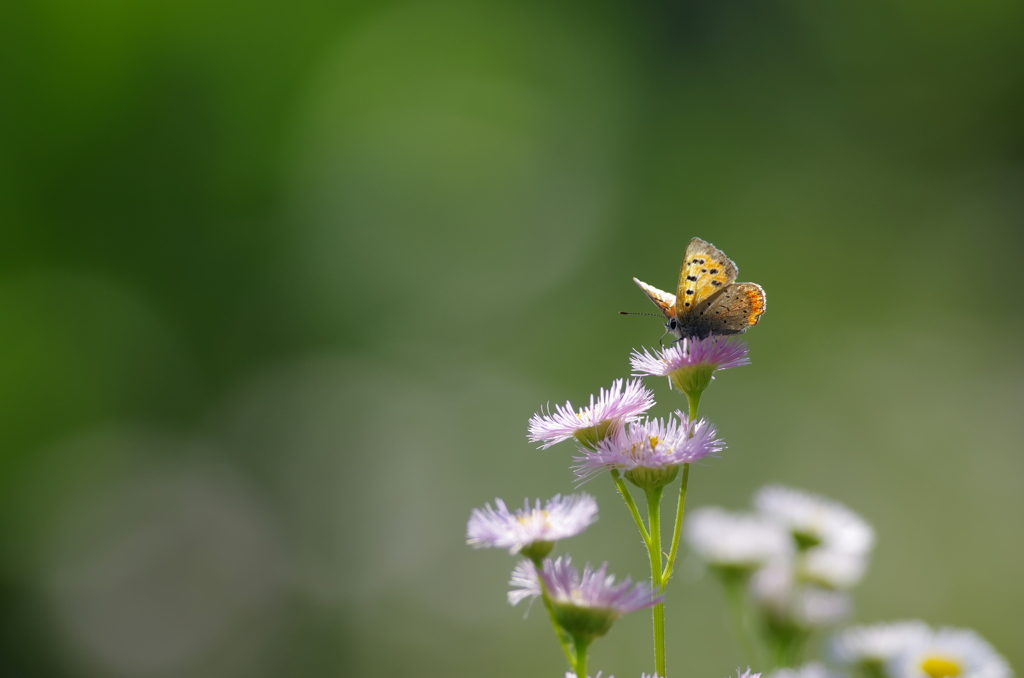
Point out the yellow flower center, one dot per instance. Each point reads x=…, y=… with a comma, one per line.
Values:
x=534, y=517
x=941, y=667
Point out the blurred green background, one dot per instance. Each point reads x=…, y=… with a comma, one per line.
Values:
x=281, y=284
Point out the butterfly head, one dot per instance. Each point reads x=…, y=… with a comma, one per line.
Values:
x=673, y=327
x=686, y=331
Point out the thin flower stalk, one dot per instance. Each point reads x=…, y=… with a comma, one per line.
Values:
x=657, y=583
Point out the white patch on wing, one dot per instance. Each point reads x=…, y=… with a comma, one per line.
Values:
x=660, y=297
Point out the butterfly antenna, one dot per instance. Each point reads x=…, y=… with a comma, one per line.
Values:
x=653, y=315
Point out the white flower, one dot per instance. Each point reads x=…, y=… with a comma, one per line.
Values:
x=779, y=594
x=742, y=540
x=950, y=653
x=832, y=569
x=816, y=608
x=815, y=520
x=878, y=643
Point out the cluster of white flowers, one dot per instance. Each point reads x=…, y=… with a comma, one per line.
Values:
x=801, y=553
x=809, y=587
x=798, y=555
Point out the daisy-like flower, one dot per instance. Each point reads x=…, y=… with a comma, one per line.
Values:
x=747, y=674
x=831, y=568
x=815, y=520
x=950, y=653
x=873, y=646
x=738, y=542
x=690, y=364
x=584, y=605
x=650, y=452
x=788, y=602
x=531, y=530
x=607, y=413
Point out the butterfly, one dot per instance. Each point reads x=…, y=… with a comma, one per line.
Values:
x=708, y=300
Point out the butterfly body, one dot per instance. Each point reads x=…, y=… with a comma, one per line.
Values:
x=708, y=300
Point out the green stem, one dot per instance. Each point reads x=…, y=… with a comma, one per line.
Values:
x=795, y=648
x=580, y=665
x=620, y=484
x=778, y=658
x=657, y=583
x=678, y=528
x=563, y=637
x=734, y=588
x=872, y=669
x=694, y=400
x=787, y=642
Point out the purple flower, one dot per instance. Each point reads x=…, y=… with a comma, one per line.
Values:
x=651, y=445
x=719, y=353
x=594, y=590
x=690, y=364
x=623, y=402
x=561, y=517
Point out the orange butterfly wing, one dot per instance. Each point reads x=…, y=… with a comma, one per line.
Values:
x=705, y=271
x=735, y=308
